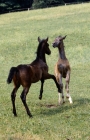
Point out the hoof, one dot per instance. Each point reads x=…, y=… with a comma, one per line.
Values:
x=60, y=103
x=15, y=115
x=70, y=99
x=71, y=102
x=40, y=97
x=67, y=97
x=63, y=102
x=30, y=116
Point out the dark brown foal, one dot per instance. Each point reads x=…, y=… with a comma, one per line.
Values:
x=25, y=75
x=62, y=68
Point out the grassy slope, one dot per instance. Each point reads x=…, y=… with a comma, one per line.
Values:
x=18, y=43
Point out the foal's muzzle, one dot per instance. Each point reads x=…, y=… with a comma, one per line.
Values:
x=49, y=52
x=53, y=44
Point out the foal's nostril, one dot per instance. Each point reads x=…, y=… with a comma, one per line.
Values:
x=53, y=44
x=49, y=52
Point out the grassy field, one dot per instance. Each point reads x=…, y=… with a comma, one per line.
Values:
x=18, y=43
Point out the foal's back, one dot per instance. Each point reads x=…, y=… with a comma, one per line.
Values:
x=35, y=71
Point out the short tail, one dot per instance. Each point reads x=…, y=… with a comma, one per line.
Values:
x=12, y=71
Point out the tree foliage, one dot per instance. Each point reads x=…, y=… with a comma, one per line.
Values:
x=51, y=3
x=46, y=3
x=9, y=5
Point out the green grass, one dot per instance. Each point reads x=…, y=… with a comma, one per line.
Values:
x=18, y=44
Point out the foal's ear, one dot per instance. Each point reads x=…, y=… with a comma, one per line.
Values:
x=64, y=37
x=47, y=39
x=39, y=40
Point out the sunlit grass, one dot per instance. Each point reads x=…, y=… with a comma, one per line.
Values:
x=18, y=43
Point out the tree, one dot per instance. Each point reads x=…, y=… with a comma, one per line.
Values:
x=8, y=5
x=25, y=3
x=46, y=3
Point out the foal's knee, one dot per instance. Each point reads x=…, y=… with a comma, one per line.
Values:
x=67, y=87
x=22, y=97
x=13, y=97
x=40, y=97
x=60, y=90
x=61, y=85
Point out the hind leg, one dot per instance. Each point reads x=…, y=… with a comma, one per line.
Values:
x=13, y=96
x=59, y=80
x=60, y=94
x=23, y=98
x=67, y=87
x=41, y=90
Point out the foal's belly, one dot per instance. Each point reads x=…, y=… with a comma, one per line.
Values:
x=62, y=70
x=36, y=75
x=29, y=74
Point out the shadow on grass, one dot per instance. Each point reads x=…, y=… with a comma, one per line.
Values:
x=54, y=109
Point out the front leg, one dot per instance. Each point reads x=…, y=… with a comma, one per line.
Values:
x=50, y=76
x=57, y=85
x=41, y=90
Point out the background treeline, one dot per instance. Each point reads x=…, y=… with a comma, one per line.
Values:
x=10, y=5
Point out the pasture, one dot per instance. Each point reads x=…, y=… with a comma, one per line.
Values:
x=18, y=43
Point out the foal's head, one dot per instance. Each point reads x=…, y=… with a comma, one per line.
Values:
x=43, y=46
x=58, y=41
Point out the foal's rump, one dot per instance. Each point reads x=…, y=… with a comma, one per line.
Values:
x=26, y=74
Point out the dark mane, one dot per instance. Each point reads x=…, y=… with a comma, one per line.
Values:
x=39, y=49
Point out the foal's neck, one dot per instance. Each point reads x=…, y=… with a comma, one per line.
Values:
x=62, y=51
x=41, y=55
